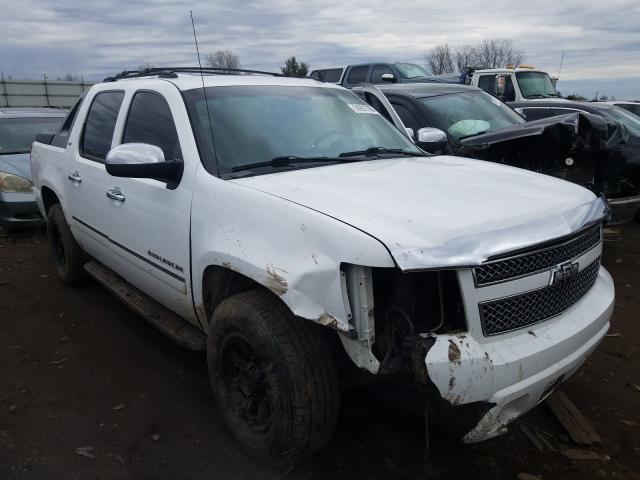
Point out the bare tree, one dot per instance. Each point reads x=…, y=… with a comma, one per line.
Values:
x=440, y=59
x=465, y=56
x=498, y=52
x=491, y=53
x=144, y=66
x=225, y=60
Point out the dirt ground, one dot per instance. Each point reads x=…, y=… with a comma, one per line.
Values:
x=78, y=369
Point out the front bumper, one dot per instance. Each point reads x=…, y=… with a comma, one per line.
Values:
x=19, y=210
x=511, y=373
x=624, y=210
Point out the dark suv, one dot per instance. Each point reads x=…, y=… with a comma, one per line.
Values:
x=378, y=72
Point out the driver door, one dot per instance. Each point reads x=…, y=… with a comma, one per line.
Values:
x=149, y=223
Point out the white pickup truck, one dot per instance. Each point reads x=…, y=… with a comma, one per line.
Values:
x=515, y=84
x=291, y=231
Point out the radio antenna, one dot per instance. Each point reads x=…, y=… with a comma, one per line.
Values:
x=560, y=69
x=204, y=90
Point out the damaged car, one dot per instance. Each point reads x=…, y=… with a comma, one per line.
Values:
x=287, y=229
x=580, y=147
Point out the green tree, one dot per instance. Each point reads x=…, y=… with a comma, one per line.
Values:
x=294, y=69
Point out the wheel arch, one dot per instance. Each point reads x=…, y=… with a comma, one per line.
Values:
x=49, y=198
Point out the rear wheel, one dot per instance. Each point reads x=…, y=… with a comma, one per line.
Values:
x=67, y=256
x=273, y=378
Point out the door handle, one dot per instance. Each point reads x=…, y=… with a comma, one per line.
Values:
x=75, y=177
x=115, y=194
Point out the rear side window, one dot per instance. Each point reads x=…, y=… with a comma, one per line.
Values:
x=100, y=124
x=331, y=75
x=150, y=121
x=358, y=74
x=61, y=138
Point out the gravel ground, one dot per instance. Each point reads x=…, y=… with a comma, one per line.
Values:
x=88, y=390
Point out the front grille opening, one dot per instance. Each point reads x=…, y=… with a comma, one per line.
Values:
x=538, y=260
x=518, y=311
x=412, y=303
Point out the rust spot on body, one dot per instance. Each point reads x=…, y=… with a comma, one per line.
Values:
x=454, y=352
x=276, y=282
x=327, y=320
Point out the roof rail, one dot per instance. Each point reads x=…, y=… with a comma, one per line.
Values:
x=172, y=72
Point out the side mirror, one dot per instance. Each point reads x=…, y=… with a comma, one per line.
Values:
x=410, y=133
x=141, y=160
x=431, y=135
x=433, y=140
x=388, y=77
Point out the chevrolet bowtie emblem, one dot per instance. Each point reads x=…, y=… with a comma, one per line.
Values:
x=563, y=272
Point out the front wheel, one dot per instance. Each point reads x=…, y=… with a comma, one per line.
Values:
x=67, y=256
x=273, y=378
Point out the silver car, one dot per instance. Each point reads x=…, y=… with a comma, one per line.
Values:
x=18, y=129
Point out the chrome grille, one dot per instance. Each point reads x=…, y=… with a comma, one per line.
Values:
x=518, y=311
x=538, y=260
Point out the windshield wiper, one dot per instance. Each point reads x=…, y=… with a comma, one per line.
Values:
x=285, y=161
x=372, y=151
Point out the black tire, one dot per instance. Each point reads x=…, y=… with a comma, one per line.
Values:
x=273, y=378
x=67, y=256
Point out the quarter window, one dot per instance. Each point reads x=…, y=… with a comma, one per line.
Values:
x=150, y=121
x=100, y=124
x=61, y=138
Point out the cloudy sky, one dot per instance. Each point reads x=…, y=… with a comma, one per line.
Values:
x=601, y=40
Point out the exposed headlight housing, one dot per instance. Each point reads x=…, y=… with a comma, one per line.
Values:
x=10, y=183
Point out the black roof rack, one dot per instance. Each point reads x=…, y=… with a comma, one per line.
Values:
x=172, y=72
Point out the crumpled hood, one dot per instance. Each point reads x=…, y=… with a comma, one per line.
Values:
x=418, y=205
x=16, y=164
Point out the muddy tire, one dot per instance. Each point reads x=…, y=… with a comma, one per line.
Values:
x=67, y=256
x=273, y=378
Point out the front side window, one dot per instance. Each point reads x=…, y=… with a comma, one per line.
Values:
x=408, y=118
x=536, y=85
x=463, y=115
x=17, y=134
x=150, y=121
x=378, y=71
x=253, y=124
x=100, y=124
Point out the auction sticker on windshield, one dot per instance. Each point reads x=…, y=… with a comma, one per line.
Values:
x=360, y=108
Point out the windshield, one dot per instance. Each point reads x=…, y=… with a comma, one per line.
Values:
x=17, y=134
x=536, y=85
x=463, y=115
x=411, y=70
x=629, y=120
x=254, y=124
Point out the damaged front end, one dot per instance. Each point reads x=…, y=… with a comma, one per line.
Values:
x=582, y=148
x=485, y=336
